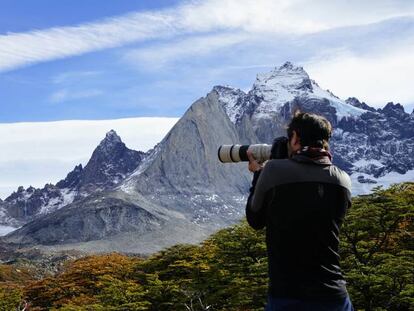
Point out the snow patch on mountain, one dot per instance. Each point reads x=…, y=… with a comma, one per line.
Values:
x=231, y=100
x=3, y=215
x=365, y=163
x=66, y=197
x=363, y=183
x=342, y=108
x=146, y=162
x=209, y=206
x=128, y=185
x=6, y=220
x=6, y=229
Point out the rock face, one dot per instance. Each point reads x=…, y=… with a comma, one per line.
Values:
x=180, y=192
x=183, y=174
x=92, y=219
x=110, y=163
x=377, y=143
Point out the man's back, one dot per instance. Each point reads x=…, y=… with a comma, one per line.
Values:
x=302, y=205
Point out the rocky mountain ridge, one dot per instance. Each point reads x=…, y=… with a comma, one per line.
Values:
x=109, y=164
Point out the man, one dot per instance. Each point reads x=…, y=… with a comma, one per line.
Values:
x=302, y=201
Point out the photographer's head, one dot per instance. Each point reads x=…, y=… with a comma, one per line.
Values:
x=308, y=129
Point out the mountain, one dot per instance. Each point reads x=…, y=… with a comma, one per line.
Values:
x=180, y=192
x=111, y=161
x=375, y=146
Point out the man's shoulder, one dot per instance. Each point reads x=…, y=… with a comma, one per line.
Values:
x=279, y=168
x=290, y=171
x=341, y=176
x=280, y=164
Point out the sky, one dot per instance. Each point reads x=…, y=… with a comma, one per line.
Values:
x=114, y=59
x=94, y=59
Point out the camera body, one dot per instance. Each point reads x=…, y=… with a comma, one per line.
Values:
x=261, y=152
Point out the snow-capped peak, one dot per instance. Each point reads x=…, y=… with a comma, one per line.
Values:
x=272, y=90
x=279, y=86
x=288, y=76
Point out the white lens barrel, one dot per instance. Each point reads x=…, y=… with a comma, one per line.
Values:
x=261, y=152
x=229, y=153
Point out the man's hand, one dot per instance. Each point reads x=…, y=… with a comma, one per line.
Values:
x=254, y=166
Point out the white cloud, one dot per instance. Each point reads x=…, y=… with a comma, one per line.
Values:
x=37, y=153
x=372, y=62
x=281, y=16
x=74, y=76
x=19, y=49
x=375, y=79
x=288, y=16
x=340, y=13
x=161, y=55
x=65, y=95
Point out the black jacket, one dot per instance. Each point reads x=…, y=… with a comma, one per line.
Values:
x=302, y=206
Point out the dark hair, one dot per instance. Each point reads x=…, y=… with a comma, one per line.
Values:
x=313, y=130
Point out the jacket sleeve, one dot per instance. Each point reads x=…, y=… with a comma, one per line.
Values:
x=255, y=218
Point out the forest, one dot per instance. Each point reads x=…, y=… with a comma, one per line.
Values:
x=228, y=271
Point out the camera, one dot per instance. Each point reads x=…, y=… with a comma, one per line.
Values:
x=261, y=152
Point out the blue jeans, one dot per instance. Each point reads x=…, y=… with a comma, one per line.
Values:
x=284, y=304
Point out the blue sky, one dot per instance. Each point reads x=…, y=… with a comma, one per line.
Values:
x=95, y=59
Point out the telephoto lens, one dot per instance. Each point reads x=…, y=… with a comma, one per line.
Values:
x=261, y=152
x=238, y=153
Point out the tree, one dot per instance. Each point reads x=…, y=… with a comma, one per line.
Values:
x=11, y=297
x=12, y=280
x=81, y=283
x=377, y=249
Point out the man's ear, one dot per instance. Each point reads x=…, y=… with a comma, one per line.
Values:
x=295, y=138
